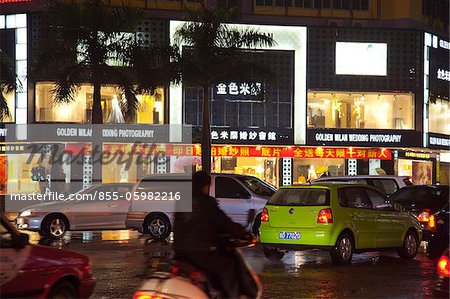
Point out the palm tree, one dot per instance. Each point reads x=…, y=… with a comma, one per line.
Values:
x=94, y=44
x=8, y=83
x=213, y=53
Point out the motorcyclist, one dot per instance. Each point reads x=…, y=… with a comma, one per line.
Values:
x=196, y=235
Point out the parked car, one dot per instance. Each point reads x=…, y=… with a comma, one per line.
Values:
x=441, y=287
x=422, y=200
x=35, y=271
x=102, y=206
x=236, y=195
x=388, y=184
x=341, y=218
x=437, y=234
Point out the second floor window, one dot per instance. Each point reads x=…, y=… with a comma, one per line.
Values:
x=150, y=111
x=317, y=4
x=361, y=110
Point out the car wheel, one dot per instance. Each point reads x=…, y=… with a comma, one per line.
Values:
x=157, y=226
x=54, y=227
x=63, y=290
x=256, y=225
x=410, y=245
x=342, y=252
x=273, y=254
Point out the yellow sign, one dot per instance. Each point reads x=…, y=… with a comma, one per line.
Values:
x=417, y=155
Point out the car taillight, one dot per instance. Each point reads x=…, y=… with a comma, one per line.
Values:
x=86, y=270
x=265, y=215
x=442, y=266
x=424, y=216
x=148, y=295
x=325, y=216
x=432, y=223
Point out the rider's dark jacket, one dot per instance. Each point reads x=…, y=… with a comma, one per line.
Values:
x=198, y=231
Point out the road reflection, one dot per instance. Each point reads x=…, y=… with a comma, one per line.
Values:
x=117, y=236
x=128, y=257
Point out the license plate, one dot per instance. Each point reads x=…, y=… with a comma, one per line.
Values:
x=289, y=236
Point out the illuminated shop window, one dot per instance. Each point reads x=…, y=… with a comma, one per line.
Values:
x=150, y=111
x=360, y=110
x=335, y=4
x=440, y=117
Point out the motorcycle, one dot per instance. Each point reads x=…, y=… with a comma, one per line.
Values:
x=183, y=280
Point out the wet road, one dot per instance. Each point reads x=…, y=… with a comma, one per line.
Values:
x=121, y=259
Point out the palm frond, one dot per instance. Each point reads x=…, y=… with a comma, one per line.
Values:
x=8, y=83
x=155, y=66
x=8, y=79
x=247, y=38
x=67, y=84
x=4, y=109
x=214, y=50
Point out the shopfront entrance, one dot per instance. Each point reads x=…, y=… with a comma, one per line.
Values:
x=419, y=166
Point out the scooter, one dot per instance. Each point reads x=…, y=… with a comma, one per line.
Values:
x=183, y=280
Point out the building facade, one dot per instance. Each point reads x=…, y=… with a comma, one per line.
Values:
x=360, y=86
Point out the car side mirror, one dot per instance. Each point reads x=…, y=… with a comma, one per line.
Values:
x=21, y=240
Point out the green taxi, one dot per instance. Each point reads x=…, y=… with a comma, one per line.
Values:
x=341, y=218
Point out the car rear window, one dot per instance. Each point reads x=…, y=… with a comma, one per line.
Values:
x=387, y=186
x=301, y=197
x=257, y=186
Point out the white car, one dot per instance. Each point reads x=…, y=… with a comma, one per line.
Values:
x=236, y=195
x=388, y=184
x=103, y=206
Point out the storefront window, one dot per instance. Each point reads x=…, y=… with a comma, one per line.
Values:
x=421, y=172
x=10, y=101
x=262, y=168
x=440, y=117
x=311, y=169
x=151, y=108
x=18, y=173
x=361, y=110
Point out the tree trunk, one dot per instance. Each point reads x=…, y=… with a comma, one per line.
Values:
x=206, y=131
x=97, y=113
x=97, y=118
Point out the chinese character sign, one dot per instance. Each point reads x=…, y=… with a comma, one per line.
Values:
x=250, y=151
x=252, y=135
x=238, y=91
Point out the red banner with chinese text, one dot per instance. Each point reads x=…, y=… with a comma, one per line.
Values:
x=252, y=151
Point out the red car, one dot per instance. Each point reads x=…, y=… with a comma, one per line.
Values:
x=40, y=272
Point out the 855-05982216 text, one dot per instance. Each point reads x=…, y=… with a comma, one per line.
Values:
x=101, y=196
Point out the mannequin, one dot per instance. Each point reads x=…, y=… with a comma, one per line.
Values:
x=116, y=116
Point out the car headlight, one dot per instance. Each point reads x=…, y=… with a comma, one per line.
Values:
x=25, y=213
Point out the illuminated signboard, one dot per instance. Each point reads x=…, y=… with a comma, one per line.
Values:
x=234, y=91
x=252, y=151
x=367, y=137
x=361, y=59
x=417, y=155
x=291, y=39
x=13, y=1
